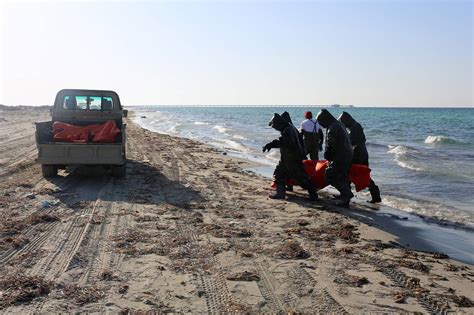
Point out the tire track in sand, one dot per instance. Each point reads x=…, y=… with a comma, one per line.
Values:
x=66, y=241
x=38, y=234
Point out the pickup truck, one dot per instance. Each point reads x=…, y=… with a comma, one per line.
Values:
x=81, y=108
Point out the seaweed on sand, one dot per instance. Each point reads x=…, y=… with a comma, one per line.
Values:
x=17, y=288
x=244, y=276
x=226, y=231
x=416, y=265
x=81, y=295
x=127, y=241
x=291, y=250
x=10, y=227
x=344, y=231
x=14, y=241
x=193, y=257
x=353, y=281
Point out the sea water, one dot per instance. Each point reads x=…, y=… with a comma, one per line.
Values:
x=421, y=158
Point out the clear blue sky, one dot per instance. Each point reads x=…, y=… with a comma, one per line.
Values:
x=369, y=53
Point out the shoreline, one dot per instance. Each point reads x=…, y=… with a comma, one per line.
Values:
x=414, y=231
x=190, y=231
x=404, y=188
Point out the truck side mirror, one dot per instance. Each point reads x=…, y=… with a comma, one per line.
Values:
x=125, y=113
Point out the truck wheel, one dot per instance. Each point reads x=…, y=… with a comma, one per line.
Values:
x=49, y=170
x=119, y=171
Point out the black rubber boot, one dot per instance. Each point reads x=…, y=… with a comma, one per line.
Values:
x=313, y=195
x=344, y=200
x=280, y=192
x=289, y=187
x=374, y=193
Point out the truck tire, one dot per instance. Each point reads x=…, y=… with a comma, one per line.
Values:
x=119, y=171
x=49, y=170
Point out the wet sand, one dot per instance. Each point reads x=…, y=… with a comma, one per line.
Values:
x=189, y=230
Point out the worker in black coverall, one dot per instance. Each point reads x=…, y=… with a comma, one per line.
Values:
x=338, y=152
x=292, y=153
x=361, y=156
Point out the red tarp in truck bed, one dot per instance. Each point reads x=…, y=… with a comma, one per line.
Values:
x=99, y=133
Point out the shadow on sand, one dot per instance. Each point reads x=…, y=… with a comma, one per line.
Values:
x=144, y=184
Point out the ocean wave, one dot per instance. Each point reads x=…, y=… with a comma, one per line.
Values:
x=273, y=156
x=201, y=123
x=220, y=128
x=228, y=144
x=400, y=150
x=441, y=140
x=236, y=146
x=239, y=137
x=434, y=212
x=409, y=166
x=404, y=157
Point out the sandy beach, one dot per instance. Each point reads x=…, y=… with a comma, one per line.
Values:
x=191, y=230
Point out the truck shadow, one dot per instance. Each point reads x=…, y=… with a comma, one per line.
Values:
x=144, y=184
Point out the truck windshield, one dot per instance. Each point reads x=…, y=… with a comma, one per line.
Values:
x=92, y=103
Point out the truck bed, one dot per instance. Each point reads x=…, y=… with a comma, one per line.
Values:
x=67, y=153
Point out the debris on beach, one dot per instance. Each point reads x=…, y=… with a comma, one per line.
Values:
x=193, y=257
x=353, y=281
x=80, y=295
x=14, y=241
x=43, y=218
x=291, y=250
x=193, y=218
x=97, y=219
x=295, y=230
x=343, y=251
x=413, y=282
x=46, y=204
x=302, y=222
x=12, y=227
x=416, y=265
x=410, y=254
x=226, y=231
x=451, y=267
x=127, y=242
x=27, y=259
x=244, y=276
x=400, y=297
x=30, y=196
x=343, y=231
x=157, y=310
x=440, y=256
x=462, y=301
x=123, y=289
x=17, y=288
x=107, y=275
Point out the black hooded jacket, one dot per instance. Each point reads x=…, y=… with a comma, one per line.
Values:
x=357, y=137
x=290, y=143
x=338, y=147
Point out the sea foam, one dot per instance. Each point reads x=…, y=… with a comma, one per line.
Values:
x=404, y=157
x=220, y=128
x=439, y=140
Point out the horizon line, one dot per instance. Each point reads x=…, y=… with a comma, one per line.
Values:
x=273, y=105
